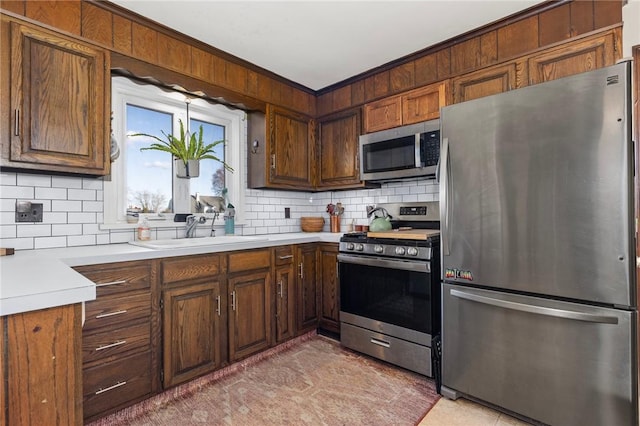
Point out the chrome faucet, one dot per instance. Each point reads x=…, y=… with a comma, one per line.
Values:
x=192, y=224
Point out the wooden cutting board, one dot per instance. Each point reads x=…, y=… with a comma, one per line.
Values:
x=405, y=234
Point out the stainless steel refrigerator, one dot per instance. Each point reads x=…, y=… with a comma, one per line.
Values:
x=538, y=251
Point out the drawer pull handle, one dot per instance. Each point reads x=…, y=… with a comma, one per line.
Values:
x=289, y=256
x=110, y=314
x=111, y=283
x=380, y=343
x=117, y=385
x=111, y=345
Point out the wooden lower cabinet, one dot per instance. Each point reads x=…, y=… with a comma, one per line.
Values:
x=307, y=291
x=285, y=281
x=191, y=331
x=330, y=288
x=249, y=314
x=120, y=337
x=193, y=317
x=43, y=375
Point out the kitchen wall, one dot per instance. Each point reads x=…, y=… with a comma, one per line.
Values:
x=73, y=210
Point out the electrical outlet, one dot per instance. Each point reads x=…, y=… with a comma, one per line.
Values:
x=287, y=213
x=27, y=211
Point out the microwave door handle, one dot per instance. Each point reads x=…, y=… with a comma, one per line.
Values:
x=418, y=156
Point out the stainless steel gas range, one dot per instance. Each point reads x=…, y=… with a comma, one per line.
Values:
x=390, y=289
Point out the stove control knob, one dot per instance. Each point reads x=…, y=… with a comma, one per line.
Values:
x=378, y=248
x=350, y=246
x=359, y=247
x=400, y=251
x=412, y=251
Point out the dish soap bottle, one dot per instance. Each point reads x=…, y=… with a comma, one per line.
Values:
x=144, y=230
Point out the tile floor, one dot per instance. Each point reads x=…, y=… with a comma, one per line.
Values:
x=463, y=412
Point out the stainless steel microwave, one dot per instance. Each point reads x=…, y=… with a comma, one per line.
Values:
x=403, y=152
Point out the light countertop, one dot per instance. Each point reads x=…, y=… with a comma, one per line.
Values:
x=40, y=279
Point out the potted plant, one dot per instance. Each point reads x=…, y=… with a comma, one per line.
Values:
x=187, y=150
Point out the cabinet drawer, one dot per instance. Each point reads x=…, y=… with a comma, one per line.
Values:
x=115, y=383
x=190, y=267
x=101, y=345
x=118, y=278
x=107, y=311
x=249, y=260
x=283, y=255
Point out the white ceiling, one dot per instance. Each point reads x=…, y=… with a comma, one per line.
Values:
x=319, y=43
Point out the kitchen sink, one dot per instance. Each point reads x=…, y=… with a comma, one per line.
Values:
x=196, y=242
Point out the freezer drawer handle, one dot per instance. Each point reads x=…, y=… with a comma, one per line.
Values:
x=380, y=343
x=533, y=309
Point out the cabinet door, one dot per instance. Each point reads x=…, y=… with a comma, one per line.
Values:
x=338, y=152
x=59, y=103
x=330, y=293
x=489, y=81
x=44, y=376
x=249, y=314
x=191, y=331
x=424, y=103
x=308, y=296
x=285, y=303
x=573, y=58
x=383, y=114
x=292, y=160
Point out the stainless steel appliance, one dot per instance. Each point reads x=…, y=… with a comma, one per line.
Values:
x=390, y=288
x=403, y=152
x=538, y=251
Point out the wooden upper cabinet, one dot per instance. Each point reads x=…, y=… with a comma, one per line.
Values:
x=338, y=158
x=57, y=116
x=291, y=161
x=411, y=107
x=423, y=104
x=383, y=114
x=488, y=81
x=573, y=58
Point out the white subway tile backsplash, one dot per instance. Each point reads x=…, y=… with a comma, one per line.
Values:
x=81, y=240
x=33, y=180
x=7, y=217
x=81, y=217
x=59, y=230
x=31, y=230
x=54, y=217
x=49, y=242
x=7, y=231
x=18, y=243
x=73, y=210
x=7, y=205
x=66, y=182
x=92, y=206
x=89, y=183
x=20, y=192
x=66, y=206
x=81, y=194
x=51, y=193
x=7, y=179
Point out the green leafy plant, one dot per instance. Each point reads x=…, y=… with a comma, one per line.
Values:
x=186, y=147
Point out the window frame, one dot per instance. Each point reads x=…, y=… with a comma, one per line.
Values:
x=127, y=91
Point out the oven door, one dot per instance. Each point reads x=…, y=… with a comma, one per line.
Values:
x=395, y=294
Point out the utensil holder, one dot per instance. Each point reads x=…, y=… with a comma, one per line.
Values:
x=335, y=223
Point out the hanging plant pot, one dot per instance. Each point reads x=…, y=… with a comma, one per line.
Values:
x=189, y=170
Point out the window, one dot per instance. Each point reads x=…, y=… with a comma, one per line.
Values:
x=145, y=178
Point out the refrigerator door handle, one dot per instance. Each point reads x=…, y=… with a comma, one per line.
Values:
x=533, y=309
x=443, y=179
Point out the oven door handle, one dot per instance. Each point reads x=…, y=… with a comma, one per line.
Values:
x=385, y=263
